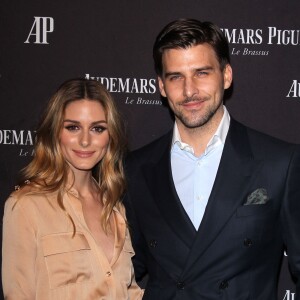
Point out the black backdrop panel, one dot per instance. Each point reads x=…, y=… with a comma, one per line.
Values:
x=43, y=43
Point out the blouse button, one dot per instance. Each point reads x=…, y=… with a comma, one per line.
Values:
x=108, y=274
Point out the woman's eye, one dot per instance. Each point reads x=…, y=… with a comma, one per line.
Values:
x=71, y=127
x=99, y=129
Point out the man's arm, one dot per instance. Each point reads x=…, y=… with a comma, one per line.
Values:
x=138, y=241
x=291, y=217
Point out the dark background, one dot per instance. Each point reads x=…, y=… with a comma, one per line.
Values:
x=113, y=39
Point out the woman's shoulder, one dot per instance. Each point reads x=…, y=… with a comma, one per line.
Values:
x=27, y=196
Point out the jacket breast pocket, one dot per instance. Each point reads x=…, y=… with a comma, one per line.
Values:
x=258, y=221
x=254, y=209
x=67, y=258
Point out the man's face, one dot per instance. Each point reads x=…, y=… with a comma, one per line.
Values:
x=194, y=84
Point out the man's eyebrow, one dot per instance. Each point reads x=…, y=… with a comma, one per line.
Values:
x=204, y=68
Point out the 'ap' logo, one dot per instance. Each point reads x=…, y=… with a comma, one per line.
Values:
x=40, y=28
x=289, y=296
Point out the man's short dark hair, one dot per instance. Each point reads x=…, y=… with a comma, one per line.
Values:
x=184, y=33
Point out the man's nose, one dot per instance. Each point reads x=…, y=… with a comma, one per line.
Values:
x=190, y=87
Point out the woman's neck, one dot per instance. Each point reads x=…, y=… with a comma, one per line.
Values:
x=84, y=184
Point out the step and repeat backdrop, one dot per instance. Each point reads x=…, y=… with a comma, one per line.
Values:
x=43, y=43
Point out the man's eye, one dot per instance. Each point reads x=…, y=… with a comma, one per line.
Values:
x=175, y=77
x=202, y=73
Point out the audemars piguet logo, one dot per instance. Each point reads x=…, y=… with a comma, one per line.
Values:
x=294, y=91
x=243, y=36
x=283, y=36
x=16, y=137
x=263, y=37
x=40, y=29
x=132, y=87
x=22, y=138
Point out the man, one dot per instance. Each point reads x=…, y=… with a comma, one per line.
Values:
x=212, y=203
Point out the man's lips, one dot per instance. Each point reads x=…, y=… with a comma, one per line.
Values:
x=192, y=104
x=83, y=154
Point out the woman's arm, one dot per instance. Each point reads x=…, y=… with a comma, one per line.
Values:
x=18, y=253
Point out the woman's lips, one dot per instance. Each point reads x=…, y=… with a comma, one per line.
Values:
x=83, y=154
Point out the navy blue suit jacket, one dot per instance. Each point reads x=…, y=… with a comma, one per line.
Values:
x=236, y=252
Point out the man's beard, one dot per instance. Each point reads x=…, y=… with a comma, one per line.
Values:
x=195, y=117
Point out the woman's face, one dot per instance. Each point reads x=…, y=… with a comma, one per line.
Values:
x=84, y=135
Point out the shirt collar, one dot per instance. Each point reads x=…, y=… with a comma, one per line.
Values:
x=218, y=137
x=71, y=190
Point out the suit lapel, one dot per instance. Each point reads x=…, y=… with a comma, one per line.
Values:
x=233, y=176
x=160, y=183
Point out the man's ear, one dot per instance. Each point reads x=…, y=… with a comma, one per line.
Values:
x=227, y=73
x=161, y=87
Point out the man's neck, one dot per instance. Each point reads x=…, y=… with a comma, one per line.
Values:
x=199, y=137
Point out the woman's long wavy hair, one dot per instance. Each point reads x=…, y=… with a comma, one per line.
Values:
x=48, y=171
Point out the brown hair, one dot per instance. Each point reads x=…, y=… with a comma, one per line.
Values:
x=48, y=170
x=184, y=33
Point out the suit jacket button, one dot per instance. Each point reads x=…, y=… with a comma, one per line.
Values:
x=248, y=243
x=153, y=243
x=180, y=285
x=223, y=285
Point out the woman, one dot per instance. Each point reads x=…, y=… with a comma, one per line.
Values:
x=64, y=230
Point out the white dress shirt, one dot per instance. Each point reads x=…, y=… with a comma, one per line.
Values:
x=194, y=176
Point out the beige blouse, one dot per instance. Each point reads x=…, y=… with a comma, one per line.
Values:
x=42, y=261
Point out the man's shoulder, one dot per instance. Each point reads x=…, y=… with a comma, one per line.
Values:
x=151, y=151
x=263, y=141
